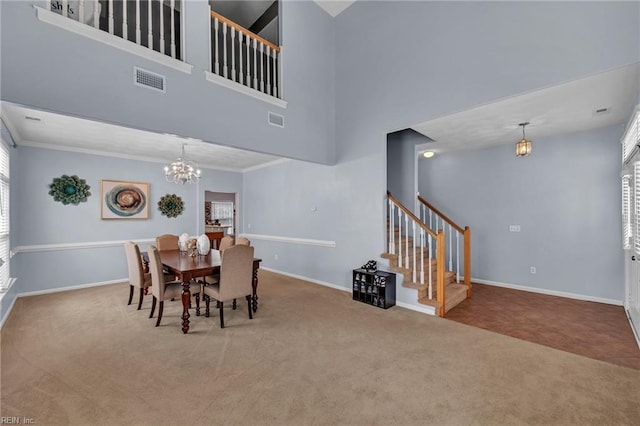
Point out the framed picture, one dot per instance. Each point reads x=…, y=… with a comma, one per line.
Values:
x=124, y=200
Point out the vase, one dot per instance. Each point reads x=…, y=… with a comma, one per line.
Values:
x=183, y=239
x=204, y=245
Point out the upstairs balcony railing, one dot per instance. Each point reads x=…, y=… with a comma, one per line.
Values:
x=243, y=57
x=153, y=24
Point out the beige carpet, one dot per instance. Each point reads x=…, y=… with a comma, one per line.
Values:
x=311, y=355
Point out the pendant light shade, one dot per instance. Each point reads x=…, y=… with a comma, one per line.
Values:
x=523, y=147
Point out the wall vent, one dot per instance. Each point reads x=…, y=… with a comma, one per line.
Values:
x=276, y=119
x=601, y=111
x=148, y=79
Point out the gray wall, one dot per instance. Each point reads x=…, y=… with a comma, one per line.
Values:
x=41, y=220
x=47, y=67
x=566, y=198
x=401, y=165
x=430, y=59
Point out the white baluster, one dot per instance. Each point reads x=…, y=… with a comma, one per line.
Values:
x=430, y=220
x=399, y=237
x=240, y=73
x=415, y=261
x=255, y=64
x=173, y=28
x=248, y=80
x=262, y=67
x=96, y=14
x=65, y=8
x=275, y=76
x=81, y=11
x=216, y=47
x=138, y=30
x=458, y=257
x=162, y=26
x=450, y=248
x=406, y=241
x=233, y=54
x=224, y=50
x=268, y=58
x=430, y=268
x=149, y=25
x=110, y=16
x=125, y=24
x=421, y=255
x=390, y=236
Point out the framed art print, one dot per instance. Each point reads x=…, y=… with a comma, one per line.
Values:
x=124, y=200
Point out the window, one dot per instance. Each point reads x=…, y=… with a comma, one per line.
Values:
x=631, y=138
x=4, y=217
x=626, y=212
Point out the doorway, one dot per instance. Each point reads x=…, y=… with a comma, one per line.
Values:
x=220, y=212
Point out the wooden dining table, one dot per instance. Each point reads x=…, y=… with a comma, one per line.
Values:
x=187, y=267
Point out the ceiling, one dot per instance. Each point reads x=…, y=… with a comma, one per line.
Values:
x=334, y=7
x=566, y=108
x=30, y=127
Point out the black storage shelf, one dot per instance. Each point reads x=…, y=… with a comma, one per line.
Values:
x=376, y=288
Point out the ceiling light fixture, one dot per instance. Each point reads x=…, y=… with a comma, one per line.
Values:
x=428, y=154
x=523, y=147
x=182, y=171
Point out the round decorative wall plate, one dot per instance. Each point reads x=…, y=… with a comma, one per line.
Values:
x=69, y=190
x=171, y=205
x=125, y=200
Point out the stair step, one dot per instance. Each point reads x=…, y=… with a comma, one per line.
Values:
x=455, y=294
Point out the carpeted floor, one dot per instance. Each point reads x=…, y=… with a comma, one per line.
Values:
x=311, y=355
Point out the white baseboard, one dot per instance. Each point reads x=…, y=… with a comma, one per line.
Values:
x=6, y=314
x=425, y=310
x=548, y=292
x=75, y=287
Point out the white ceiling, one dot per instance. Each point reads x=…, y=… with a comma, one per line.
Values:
x=334, y=7
x=30, y=127
x=561, y=109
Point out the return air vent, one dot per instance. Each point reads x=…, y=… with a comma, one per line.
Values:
x=148, y=79
x=276, y=119
x=601, y=111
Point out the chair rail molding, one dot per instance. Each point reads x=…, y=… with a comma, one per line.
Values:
x=76, y=246
x=291, y=240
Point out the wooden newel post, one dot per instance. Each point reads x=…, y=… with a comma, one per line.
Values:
x=440, y=262
x=467, y=259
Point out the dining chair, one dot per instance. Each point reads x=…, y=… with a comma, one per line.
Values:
x=167, y=242
x=243, y=242
x=162, y=290
x=225, y=243
x=236, y=277
x=137, y=277
x=215, y=238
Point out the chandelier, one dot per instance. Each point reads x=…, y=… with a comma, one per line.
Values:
x=182, y=171
x=523, y=147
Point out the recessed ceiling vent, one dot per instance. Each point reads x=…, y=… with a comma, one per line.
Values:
x=276, y=119
x=148, y=79
x=601, y=111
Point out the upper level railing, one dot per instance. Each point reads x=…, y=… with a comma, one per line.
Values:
x=435, y=219
x=414, y=240
x=153, y=24
x=244, y=57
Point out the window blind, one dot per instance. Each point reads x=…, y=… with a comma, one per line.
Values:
x=626, y=212
x=631, y=138
x=4, y=216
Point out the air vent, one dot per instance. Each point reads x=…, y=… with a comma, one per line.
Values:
x=601, y=111
x=148, y=79
x=276, y=119
x=30, y=118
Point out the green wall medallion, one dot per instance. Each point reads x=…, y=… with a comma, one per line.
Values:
x=69, y=190
x=171, y=205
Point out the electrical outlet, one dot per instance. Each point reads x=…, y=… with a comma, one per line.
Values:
x=514, y=228
x=275, y=257
x=248, y=226
x=532, y=269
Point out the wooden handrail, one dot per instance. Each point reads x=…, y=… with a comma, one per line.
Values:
x=411, y=215
x=242, y=29
x=442, y=215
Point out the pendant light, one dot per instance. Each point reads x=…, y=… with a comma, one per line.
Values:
x=523, y=147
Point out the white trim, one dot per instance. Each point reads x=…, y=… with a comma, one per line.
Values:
x=6, y=314
x=632, y=325
x=292, y=240
x=76, y=246
x=269, y=164
x=230, y=84
x=547, y=291
x=425, y=309
x=111, y=40
x=74, y=287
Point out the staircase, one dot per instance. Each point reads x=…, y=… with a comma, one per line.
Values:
x=423, y=262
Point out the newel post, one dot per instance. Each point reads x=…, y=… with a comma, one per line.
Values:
x=440, y=260
x=467, y=259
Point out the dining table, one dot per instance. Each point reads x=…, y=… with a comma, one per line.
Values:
x=186, y=268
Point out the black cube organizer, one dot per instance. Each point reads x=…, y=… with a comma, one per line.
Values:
x=377, y=288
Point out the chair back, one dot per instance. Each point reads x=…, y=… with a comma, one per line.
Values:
x=215, y=238
x=236, y=272
x=243, y=242
x=225, y=243
x=157, y=277
x=167, y=242
x=134, y=264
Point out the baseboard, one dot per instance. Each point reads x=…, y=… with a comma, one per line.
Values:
x=633, y=328
x=6, y=314
x=548, y=292
x=425, y=310
x=75, y=287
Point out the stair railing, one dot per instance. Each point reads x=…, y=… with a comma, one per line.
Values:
x=423, y=239
x=435, y=219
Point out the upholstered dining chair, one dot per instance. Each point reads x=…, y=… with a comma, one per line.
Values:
x=137, y=277
x=162, y=290
x=236, y=276
x=225, y=243
x=167, y=242
x=243, y=242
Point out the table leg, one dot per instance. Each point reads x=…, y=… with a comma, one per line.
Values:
x=254, y=285
x=186, y=298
